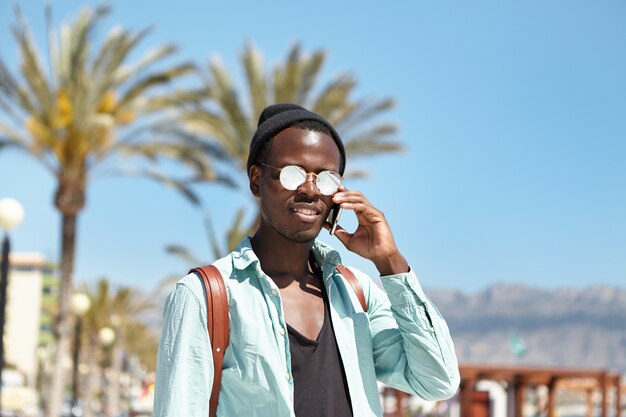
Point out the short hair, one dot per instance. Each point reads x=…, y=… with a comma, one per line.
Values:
x=312, y=125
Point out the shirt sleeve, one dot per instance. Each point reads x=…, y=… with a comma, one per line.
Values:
x=184, y=364
x=412, y=347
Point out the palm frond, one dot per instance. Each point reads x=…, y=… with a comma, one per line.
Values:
x=98, y=314
x=31, y=67
x=196, y=143
x=214, y=126
x=237, y=231
x=176, y=100
x=225, y=95
x=154, y=80
x=180, y=186
x=257, y=85
x=334, y=97
x=310, y=73
x=373, y=142
x=211, y=235
x=355, y=174
x=78, y=45
x=16, y=94
x=183, y=253
x=9, y=108
x=123, y=74
x=200, y=164
x=234, y=234
x=165, y=284
x=12, y=138
x=362, y=112
x=287, y=77
x=114, y=50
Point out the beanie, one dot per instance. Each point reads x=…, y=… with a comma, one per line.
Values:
x=278, y=117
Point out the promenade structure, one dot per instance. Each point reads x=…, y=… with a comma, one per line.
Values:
x=512, y=391
x=518, y=382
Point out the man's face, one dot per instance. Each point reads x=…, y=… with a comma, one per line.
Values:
x=297, y=215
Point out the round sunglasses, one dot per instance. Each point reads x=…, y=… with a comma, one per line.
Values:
x=292, y=176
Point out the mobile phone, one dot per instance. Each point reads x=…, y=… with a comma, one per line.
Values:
x=333, y=217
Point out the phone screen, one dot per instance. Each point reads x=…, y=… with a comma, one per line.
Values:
x=333, y=217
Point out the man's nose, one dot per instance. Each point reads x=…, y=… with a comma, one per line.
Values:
x=309, y=186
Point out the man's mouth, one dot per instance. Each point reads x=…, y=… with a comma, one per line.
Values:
x=306, y=215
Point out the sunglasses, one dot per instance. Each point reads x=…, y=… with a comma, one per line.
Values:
x=292, y=176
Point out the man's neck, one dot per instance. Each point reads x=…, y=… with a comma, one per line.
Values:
x=281, y=259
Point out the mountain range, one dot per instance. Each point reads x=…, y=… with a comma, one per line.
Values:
x=512, y=324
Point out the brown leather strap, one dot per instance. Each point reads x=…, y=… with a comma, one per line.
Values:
x=218, y=324
x=354, y=283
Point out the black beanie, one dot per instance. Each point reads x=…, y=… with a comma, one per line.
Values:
x=278, y=117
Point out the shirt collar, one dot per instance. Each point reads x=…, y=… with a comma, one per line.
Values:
x=328, y=258
x=243, y=255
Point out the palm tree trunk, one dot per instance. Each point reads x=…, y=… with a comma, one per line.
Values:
x=63, y=325
x=116, y=371
x=92, y=378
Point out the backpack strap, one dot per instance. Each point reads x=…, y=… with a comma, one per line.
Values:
x=355, y=284
x=218, y=324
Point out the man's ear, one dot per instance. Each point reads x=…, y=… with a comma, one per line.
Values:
x=255, y=180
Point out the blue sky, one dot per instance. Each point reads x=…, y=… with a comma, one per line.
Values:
x=513, y=115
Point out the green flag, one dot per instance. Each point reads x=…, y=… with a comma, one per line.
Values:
x=517, y=344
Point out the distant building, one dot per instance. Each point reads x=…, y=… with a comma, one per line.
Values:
x=31, y=305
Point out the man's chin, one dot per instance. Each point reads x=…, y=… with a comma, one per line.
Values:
x=295, y=232
x=304, y=236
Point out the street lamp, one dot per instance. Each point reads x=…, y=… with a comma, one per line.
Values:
x=11, y=214
x=106, y=336
x=80, y=304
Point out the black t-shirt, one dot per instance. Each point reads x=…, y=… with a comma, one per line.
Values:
x=320, y=385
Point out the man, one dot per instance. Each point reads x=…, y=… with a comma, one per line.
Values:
x=300, y=343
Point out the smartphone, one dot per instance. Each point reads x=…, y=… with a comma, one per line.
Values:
x=333, y=217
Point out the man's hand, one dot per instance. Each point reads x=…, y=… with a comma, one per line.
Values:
x=372, y=239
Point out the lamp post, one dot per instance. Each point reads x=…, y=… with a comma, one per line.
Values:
x=42, y=355
x=116, y=364
x=107, y=337
x=80, y=304
x=11, y=214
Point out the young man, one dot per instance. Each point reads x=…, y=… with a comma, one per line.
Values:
x=300, y=343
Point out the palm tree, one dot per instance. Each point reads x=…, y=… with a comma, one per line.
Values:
x=97, y=317
x=226, y=121
x=126, y=307
x=76, y=118
x=120, y=309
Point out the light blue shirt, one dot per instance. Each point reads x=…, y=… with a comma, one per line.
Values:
x=402, y=341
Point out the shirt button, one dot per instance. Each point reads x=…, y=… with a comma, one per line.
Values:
x=288, y=376
x=274, y=291
x=282, y=331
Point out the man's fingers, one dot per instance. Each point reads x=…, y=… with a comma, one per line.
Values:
x=350, y=197
x=363, y=210
x=342, y=235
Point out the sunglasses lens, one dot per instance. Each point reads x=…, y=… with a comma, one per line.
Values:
x=328, y=182
x=291, y=177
